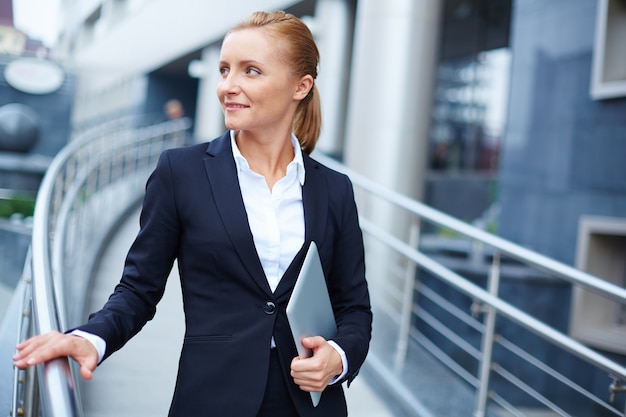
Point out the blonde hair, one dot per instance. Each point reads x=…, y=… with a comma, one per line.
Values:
x=300, y=51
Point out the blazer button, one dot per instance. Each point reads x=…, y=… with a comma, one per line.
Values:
x=269, y=307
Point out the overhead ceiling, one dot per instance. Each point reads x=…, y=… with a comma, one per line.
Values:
x=165, y=32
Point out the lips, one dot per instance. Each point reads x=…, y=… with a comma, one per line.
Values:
x=235, y=106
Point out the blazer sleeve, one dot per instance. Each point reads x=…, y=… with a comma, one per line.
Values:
x=347, y=283
x=147, y=266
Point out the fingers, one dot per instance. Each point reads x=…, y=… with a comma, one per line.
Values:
x=36, y=349
x=309, y=374
x=53, y=345
x=315, y=373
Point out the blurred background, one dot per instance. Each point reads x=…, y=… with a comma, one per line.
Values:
x=506, y=115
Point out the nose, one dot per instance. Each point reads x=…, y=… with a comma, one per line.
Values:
x=228, y=84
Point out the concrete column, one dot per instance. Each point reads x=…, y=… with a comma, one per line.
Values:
x=390, y=104
x=332, y=28
x=209, y=122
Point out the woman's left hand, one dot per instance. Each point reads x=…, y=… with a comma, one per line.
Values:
x=313, y=374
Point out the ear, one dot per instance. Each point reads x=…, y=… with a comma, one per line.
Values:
x=303, y=87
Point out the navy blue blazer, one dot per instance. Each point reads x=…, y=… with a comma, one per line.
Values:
x=193, y=211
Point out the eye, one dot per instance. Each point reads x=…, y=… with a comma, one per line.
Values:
x=253, y=71
x=223, y=70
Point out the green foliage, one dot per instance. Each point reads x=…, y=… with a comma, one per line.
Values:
x=24, y=205
x=445, y=232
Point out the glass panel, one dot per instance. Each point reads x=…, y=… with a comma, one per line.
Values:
x=470, y=112
x=471, y=93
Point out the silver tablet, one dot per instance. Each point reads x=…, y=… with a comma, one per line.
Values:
x=309, y=310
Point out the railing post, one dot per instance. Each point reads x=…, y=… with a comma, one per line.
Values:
x=31, y=393
x=407, y=303
x=493, y=285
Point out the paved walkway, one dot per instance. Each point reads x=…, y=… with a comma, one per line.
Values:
x=139, y=380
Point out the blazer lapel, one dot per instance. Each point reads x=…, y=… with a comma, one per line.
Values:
x=315, y=202
x=222, y=174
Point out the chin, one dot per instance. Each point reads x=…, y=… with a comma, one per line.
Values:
x=231, y=125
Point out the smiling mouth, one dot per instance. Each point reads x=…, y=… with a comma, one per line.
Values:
x=234, y=106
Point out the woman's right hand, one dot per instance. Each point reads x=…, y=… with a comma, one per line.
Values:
x=54, y=345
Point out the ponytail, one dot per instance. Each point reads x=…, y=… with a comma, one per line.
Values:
x=307, y=123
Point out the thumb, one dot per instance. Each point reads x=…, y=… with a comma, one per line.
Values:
x=88, y=365
x=86, y=373
x=313, y=342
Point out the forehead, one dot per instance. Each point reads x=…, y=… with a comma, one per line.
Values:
x=251, y=44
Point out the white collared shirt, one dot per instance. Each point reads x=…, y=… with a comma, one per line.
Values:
x=276, y=216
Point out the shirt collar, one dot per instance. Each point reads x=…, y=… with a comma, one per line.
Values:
x=242, y=163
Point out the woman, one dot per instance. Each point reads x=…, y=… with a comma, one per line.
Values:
x=239, y=214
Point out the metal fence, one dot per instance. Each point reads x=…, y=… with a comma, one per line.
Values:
x=91, y=184
x=406, y=284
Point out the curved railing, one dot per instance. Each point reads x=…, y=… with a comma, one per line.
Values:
x=89, y=187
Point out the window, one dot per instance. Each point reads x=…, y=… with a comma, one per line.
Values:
x=608, y=78
x=471, y=92
x=595, y=320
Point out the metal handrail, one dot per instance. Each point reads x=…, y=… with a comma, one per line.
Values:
x=491, y=304
x=81, y=177
x=501, y=306
x=573, y=275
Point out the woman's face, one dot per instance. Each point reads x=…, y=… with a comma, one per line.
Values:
x=256, y=89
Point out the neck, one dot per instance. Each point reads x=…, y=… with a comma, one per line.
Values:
x=267, y=156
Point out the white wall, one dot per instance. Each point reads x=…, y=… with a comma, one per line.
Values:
x=159, y=31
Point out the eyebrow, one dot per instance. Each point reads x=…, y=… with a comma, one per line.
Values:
x=245, y=62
